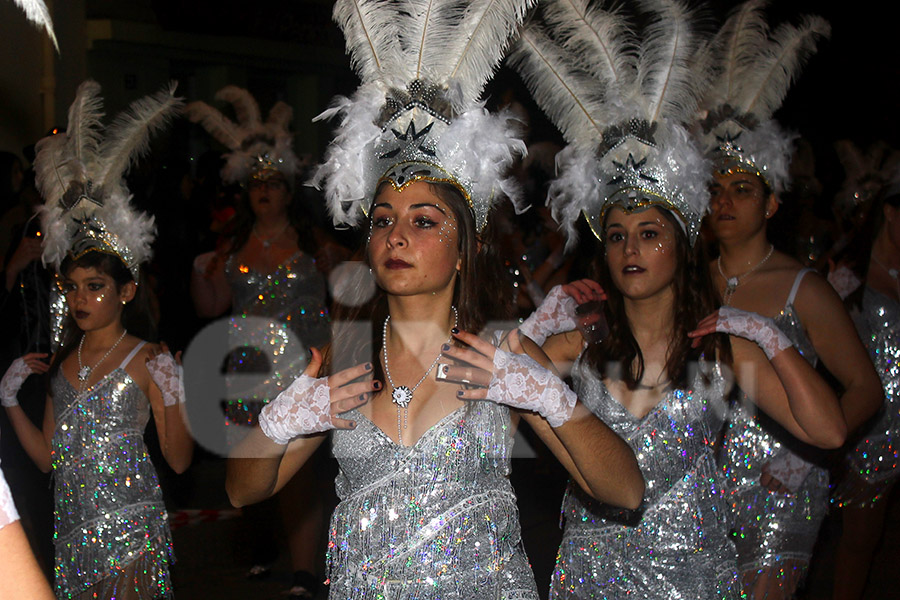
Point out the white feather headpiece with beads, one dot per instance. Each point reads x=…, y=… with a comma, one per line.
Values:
x=416, y=115
x=80, y=174
x=621, y=100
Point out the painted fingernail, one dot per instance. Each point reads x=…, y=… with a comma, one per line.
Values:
x=445, y=347
x=455, y=330
x=362, y=397
x=459, y=393
x=368, y=366
x=352, y=424
x=377, y=385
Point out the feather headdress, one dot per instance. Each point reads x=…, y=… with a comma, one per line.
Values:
x=621, y=100
x=754, y=69
x=423, y=65
x=36, y=12
x=257, y=148
x=80, y=174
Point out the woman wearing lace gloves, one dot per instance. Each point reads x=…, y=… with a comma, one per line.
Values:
x=112, y=535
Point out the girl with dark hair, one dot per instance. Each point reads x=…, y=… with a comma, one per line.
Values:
x=426, y=507
x=112, y=537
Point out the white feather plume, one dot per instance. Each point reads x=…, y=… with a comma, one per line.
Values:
x=36, y=12
x=246, y=109
x=737, y=45
x=280, y=116
x=128, y=137
x=371, y=31
x=84, y=129
x=215, y=123
x=572, y=98
x=779, y=64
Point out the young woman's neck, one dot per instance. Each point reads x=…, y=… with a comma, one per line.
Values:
x=651, y=319
x=419, y=323
x=104, y=337
x=271, y=223
x=885, y=251
x=738, y=256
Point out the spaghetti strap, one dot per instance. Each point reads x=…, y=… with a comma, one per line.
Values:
x=796, y=286
x=132, y=354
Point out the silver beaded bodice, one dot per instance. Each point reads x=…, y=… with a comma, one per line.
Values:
x=109, y=510
x=873, y=463
x=434, y=520
x=675, y=545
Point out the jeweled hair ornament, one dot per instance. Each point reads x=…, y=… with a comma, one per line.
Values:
x=416, y=115
x=621, y=101
x=754, y=69
x=36, y=11
x=257, y=149
x=80, y=174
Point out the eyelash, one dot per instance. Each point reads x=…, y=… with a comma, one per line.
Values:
x=422, y=222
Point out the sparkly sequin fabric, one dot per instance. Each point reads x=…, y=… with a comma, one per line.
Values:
x=771, y=529
x=291, y=304
x=437, y=520
x=871, y=467
x=8, y=512
x=675, y=545
x=111, y=527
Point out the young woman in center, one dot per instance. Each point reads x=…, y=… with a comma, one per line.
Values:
x=426, y=507
x=659, y=379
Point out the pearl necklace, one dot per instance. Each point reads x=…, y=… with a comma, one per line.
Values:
x=84, y=371
x=402, y=395
x=731, y=283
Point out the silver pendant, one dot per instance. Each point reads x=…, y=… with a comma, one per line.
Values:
x=732, y=284
x=401, y=396
x=84, y=373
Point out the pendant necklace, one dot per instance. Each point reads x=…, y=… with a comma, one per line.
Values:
x=402, y=395
x=731, y=283
x=267, y=242
x=892, y=273
x=84, y=371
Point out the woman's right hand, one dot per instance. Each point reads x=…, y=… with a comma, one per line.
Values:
x=557, y=313
x=17, y=373
x=311, y=404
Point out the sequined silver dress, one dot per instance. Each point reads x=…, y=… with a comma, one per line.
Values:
x=871, y=467
x=111, y=526
x=275, y=318
x=772, y=529
x=437, y=520
x=675, y=545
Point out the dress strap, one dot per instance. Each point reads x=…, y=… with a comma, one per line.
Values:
x=132, y=354
x=796, y=286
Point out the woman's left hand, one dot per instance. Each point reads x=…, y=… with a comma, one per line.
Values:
x=744, y=324
x=167, y=373
x=516, y=379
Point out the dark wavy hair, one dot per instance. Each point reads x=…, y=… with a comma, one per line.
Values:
x=694, y=299
x=137, y=317
x=480, y=293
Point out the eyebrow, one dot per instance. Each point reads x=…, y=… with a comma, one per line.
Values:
x=419, y=205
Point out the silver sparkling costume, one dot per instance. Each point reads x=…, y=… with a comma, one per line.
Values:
x=772, y=529
x=437, y=520
x=871, y=467
x=111, y=526
x=675, y=545
x=291, y=305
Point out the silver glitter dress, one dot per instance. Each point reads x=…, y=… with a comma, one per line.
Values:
x=111, y=526
x=772, y=529
x=437, y=520
x=871, y=466
x=289, y=306
x=675, y=545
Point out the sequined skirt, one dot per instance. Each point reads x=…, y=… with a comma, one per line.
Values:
x=871, y=468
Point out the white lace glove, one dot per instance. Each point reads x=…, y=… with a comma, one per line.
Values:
x=844, y=281
x=168, y=377
x=304, y=407
x=789, y=469
x=556, y=314
x=521, y=382
x=12, y=381
x=8, y=512
x=753, y=327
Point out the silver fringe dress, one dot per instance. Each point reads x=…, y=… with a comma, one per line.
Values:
x=437, y=520
x=675, y=545
x=772, y=530
x=871, y=466
x=111, y=526
x=290, y=304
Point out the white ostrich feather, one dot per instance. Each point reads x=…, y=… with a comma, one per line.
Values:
x=84, y=129
x=371, y=30
x=780, y=63
x=737, y=44
x=220, y=127
x=36, y=12
x=280, y=116
x=570, y=97
x=602, y=39
x=128, y=137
